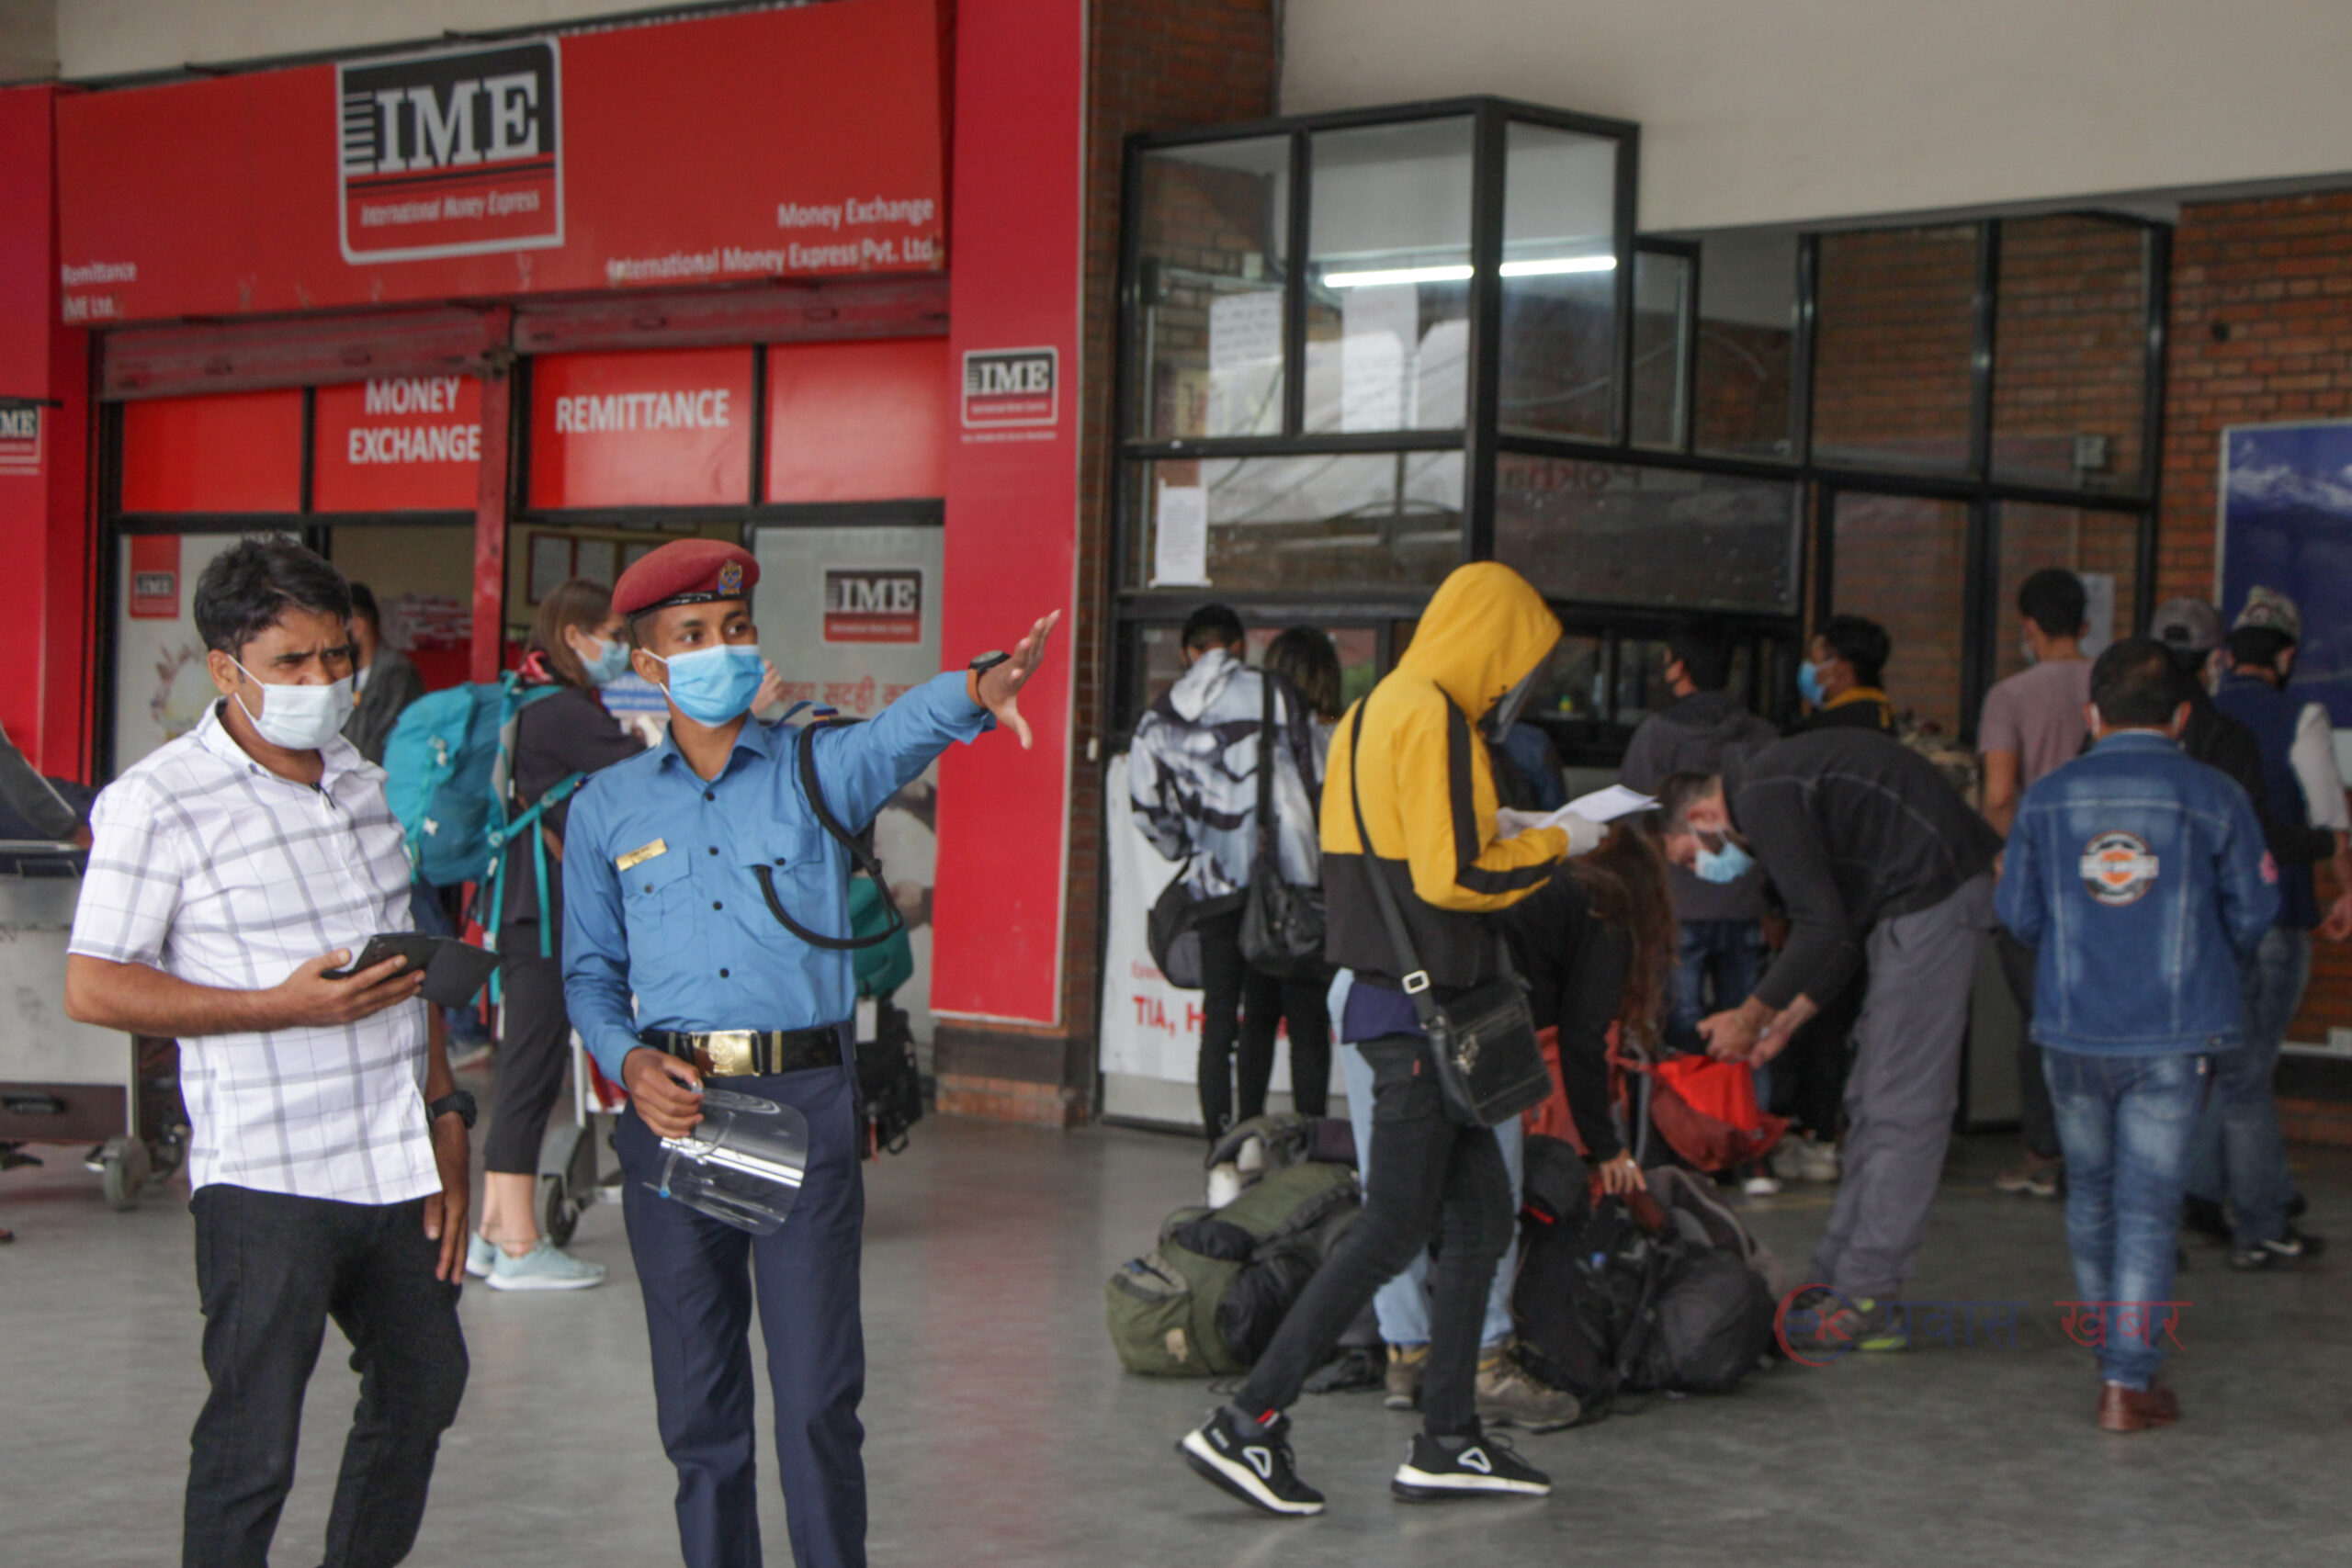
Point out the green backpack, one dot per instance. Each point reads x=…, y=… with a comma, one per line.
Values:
x=1207, y=1300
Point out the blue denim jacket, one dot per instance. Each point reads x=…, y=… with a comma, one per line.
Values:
x=2139, y=877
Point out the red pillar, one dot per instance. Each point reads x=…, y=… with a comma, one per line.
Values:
x=46, y=522
x=493, y=487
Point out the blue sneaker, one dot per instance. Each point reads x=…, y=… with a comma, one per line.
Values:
x=480, y=1256
x=546, y=1267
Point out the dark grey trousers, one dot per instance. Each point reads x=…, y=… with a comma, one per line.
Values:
x=1902, y=1091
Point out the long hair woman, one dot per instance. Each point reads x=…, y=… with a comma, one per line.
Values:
x=577, y=645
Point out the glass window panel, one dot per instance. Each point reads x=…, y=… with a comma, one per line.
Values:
x=1662, y=282
x=1608, y=532
x=1162, y=657
x=1895, y=335
x=2070, y=352
x=1559, y=349
x=1899, y=560
x=1747, y=316
x=1388, y=277
x=2102, y=547
x=1573, y=687
x=1307, y=523
x=1208, y=353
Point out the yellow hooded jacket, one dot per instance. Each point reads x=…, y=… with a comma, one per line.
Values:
x=1428, y=788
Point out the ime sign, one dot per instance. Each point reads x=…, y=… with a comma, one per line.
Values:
x=450, y=154
x=865, y=604
x=1009, y=388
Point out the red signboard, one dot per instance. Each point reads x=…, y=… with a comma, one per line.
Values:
x=859, y=421
x=154, y=577
x=1012, y=498
x=801, y=142
x=234, y=452
x=660, y=428
x=400, y=444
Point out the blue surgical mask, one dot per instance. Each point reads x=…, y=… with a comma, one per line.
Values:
x=714, y=685
x=609, y=665
x=1726, y=865
x=1809, y=686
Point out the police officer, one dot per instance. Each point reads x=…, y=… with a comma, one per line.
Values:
x=664, y=902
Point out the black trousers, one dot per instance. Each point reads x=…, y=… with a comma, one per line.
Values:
x=1809, y=1076
x=270, y=1270
x=1240, y=1008
x=1431, y=1180
x=533, y=1045
x=2037, y=1121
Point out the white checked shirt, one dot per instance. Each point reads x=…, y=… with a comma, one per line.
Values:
x=211, y=868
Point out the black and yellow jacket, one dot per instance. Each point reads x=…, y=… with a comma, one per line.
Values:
x=1429, y=791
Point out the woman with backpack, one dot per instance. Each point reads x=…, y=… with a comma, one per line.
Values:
x=576, y=645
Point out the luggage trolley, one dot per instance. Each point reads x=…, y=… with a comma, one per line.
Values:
x=62, y=1082
x=568, y=1173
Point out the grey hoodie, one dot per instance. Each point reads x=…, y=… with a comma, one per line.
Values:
x=1192, y=776
x=1695, y=734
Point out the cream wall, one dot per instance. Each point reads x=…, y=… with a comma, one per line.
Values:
x=1758, y=111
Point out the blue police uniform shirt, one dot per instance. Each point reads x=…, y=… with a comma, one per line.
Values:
x=658, y=896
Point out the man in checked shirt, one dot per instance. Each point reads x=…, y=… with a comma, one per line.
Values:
x=231, y=870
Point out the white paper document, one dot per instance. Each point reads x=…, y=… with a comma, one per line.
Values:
x=1179, y=549
x=1604, y=805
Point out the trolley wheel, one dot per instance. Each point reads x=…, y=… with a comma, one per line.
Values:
x=559, y=1216
x=123, y=1169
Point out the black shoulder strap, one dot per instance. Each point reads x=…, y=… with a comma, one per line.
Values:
x=1265, y=763
x=1416, y=979
x=861, y=858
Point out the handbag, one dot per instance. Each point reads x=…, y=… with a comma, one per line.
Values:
x=1282, y=922
x=1483, y=1042
x=1173, y=930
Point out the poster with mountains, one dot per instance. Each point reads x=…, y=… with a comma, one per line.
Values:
x=2287, y=524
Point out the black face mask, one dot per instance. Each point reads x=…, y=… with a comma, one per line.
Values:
x=1504, y=714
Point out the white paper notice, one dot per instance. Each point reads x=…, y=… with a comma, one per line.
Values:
x=1378, y=327
x=1180, y=545
x=2098, y=611
x=1245, y=364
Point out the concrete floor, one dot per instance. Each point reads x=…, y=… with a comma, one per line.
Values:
x=1002, y=1431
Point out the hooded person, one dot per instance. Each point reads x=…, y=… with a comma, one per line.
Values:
x=1407, y=757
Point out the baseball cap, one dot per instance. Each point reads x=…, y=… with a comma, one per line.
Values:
x=2269, y=610
x=2191, y=625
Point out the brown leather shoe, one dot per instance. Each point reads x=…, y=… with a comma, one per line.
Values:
x=2124, y=1409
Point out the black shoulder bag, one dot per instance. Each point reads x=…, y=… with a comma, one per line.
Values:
x=861, y=858
x=1282, y=922
x=1482, y=1042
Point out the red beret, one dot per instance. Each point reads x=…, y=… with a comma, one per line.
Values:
x=687, y=572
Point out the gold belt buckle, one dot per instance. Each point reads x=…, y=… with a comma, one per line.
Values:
x=731, y=1052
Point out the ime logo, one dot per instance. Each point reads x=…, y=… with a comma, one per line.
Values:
x=450, y=154
x=1010, y=388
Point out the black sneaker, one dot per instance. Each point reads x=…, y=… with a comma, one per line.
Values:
x=2290, y=1248
x=1482, y=1467
x=1250, y=1461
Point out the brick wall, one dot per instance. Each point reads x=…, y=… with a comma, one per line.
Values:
x=1892, y=347
x=1155, y=66
x=2261, y=335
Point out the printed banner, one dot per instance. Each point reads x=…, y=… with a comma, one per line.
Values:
x=803, y=143
x=659, y=428
x=2286, y=523
x=402, y=443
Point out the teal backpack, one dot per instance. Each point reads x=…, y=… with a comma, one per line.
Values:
x=447, y=766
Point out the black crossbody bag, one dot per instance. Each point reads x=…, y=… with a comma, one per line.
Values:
x=1282, y=922
x=1483, y=1042
x=861, y=857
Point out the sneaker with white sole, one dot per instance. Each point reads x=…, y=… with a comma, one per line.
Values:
x=1816, y=1160
x=2280, y=1253
x=1251, y=1460
x=480, y=1256
x=1482, y=1466
x=546, y=1267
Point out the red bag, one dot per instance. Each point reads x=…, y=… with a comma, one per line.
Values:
x=1706, y=1110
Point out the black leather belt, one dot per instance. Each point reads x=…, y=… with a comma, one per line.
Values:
x=742, y=1053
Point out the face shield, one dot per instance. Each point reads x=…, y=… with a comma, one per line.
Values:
x=1504, y=714
x=742, y=1164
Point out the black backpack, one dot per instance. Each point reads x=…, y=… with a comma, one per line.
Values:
x=889, y=1081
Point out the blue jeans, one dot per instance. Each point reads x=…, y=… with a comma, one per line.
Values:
x=1715, y=967
x=2125, y=1124
x=1403, y=1304
x=2240, y=1154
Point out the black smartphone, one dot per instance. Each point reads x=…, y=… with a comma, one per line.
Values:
x=417, y=949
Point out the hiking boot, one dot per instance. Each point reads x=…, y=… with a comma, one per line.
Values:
x=1509, y=1396
x=2033, y=1177
x=1476, y=1466
x=1403, y=1378
x=1251, y=1460
x=2207, y=1218
x=2280, y=1253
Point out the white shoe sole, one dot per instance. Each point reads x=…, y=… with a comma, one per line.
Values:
x=479, y=1270
x=1238, y=1480
x=542, y=1282
x=1420, y=1486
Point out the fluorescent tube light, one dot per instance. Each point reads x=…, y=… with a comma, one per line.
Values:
x=1544, y=268
x=1551, y=264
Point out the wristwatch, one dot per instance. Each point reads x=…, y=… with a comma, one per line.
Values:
x=989, y=660
x=458, y=1102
